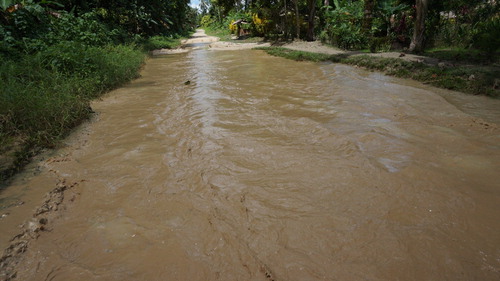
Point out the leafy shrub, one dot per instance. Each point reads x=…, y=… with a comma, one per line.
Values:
x=161, y=42
x=454, y=33
x=260, y=25
x=30, y=20
x=468, y=25
x=487, y=36
x=43, y=96
x=343, y=25
x=206, y=21
x=7, y=41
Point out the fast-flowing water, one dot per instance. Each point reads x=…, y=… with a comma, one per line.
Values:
x=261, y=168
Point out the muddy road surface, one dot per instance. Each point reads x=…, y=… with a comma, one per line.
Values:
x=235, y=165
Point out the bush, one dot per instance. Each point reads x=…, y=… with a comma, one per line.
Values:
x=161, y=42
x=343, y=26
x=207, y=21
x=43, y=96
x=487, y=36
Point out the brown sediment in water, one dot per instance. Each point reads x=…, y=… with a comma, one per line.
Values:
x=268, y=169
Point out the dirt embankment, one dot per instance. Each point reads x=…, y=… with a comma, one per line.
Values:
x=318, y=47
x=201, y=40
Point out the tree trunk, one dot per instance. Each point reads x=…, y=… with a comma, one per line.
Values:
x=417, y=41
x=312, y=14
x=297, y=23
x=368, y=16
x=285, y=29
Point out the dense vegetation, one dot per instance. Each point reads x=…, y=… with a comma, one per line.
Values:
x=56, y=56
x=365, y=24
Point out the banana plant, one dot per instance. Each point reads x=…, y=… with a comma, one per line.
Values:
x=4, y=4
x=387, y=8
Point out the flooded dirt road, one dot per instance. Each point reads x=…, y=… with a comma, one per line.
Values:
x=261, y=168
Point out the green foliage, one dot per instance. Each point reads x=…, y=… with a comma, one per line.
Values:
x=4, y=4
x=161, y=42
x=43, y=96
x=145, y=17
x=390, y=25
x=469, y=24
x=28, y=21
x=223, y=33
x=452, y=33
x=487, y=36
x=385, y=10
x=32, y=28
x=343, y=25
x=207, y=21
x=7, y=41
x=459, y=55
x=237, y=15
x=85, y=30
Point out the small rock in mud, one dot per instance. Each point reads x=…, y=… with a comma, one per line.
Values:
x=5, y=215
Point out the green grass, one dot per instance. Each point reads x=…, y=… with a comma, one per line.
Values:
x=296, y=55
x=462, y=55
x=222, y=33
x=161, y=42
x=476, y=80
x=44, y=96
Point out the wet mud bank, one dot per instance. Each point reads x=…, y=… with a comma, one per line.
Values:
x=31, y=229
x=263, y=168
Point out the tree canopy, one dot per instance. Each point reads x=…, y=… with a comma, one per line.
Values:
x=374, y=24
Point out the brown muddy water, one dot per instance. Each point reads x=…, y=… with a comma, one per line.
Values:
x=268, y=169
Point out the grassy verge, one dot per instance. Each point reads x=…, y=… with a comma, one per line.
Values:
x=43, y=96
x=296, y=55
x=477, y=80
x=161, y=42
x=462, y=56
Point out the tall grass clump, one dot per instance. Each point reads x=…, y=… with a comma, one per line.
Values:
x=43, y=96
x=161, y=42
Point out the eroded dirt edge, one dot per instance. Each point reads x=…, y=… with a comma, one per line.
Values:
x=33, y=228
